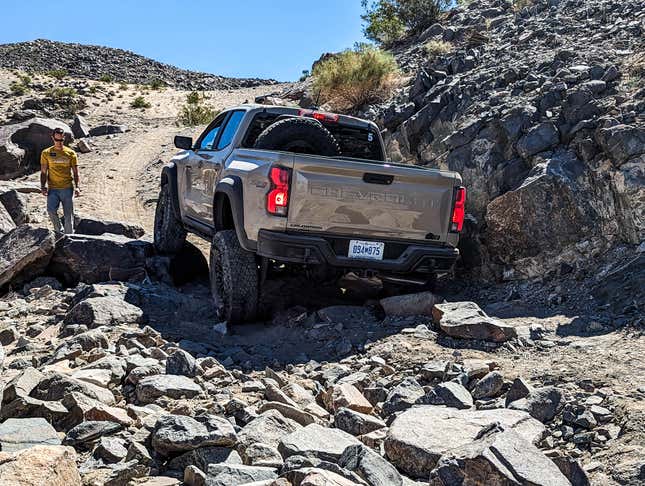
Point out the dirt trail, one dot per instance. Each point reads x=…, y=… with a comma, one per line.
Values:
x=111, y=181
x=114, y=176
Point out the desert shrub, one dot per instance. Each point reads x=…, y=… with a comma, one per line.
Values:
x=195, y=112
x=57, y=73
x=436, y=48
x=123, y=86
x=520, y=4
x=387, y=21
x=157, y=83
x=305, y=75
x=25, y=79
x=93, y=89
x=67, y=98
x=18, y=89
x=356, y=77
x=140, y=102
x=61, y=93
x=106, y=78
x=635, y=71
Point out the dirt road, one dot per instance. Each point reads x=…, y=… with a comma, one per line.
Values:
x=117, y=174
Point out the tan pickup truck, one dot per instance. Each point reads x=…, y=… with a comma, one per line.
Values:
x=274, y=186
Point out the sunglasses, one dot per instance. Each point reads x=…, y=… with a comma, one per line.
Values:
x=58, y=139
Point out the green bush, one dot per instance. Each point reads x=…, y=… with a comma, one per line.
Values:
x=57, y=73
x=106, y=78
x=354, y=78
x=140, y=102
x=195, y=112
x=157, y=83
x=18, y=89
x=123, y=86
x=67, y=98
x=305, y=75
x=25, y=79
x=387, y=21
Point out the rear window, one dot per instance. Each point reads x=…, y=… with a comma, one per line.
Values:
x=354, y=142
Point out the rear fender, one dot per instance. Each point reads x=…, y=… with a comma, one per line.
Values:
x=231, y=187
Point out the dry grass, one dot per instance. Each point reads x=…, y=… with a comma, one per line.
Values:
x=436, y=48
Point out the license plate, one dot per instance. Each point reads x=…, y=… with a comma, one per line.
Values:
x=370, y=250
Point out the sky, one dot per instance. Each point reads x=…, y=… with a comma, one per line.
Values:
x=239, y=38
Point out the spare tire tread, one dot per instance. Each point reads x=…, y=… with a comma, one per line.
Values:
x=284, y=134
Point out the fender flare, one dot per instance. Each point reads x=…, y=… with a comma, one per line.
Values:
x=169, y=176
x=231, y=186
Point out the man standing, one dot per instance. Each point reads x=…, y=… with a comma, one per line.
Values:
x=57, y=164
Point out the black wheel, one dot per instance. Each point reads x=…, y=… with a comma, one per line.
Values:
x=169, y=234
x=234, y=279
x=300, y=135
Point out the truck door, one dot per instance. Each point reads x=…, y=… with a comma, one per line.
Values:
x=205, y=163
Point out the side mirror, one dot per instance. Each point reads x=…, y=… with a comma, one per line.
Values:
x=184, y=143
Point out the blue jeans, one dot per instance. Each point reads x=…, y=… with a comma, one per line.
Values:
x=54, y=198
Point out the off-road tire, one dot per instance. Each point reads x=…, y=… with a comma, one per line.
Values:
x=234, y=279
x=169, y=233
x=300, y=135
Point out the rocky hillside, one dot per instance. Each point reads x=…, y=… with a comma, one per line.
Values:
x=96, y=62
x=542, y=111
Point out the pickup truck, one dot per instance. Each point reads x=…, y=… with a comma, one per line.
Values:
x=273, y=186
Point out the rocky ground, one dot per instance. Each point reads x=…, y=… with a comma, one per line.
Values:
x=525, y=369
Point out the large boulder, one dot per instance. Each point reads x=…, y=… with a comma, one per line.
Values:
x=93, y=259
x=498, y=459
x=103, y=311
x=172, y=386
x=50, y=465
x=23, y=433
x=269, y=428
x=56, y=386
x=419, y=436
x=466, y=320
x=80, y=128
x=25, y=252
x=317, y=441
x=179, y=433
x=6, y=221
x=538, y=139
x=89, y=226
x=107, y=130
x=15, y=204
x=21, y=144
x=621, y=142
x=419, y=304
x=550, y=210
x=12, y=157
x=238, y=474
x=370, y=466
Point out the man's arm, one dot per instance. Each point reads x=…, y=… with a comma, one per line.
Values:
x=75, y=172
x=43, y=174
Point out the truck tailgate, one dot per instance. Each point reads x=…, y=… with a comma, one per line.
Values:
x=351, y=197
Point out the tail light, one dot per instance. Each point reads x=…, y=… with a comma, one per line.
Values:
x=320, y=116
x=278, y=195
x=459, y=210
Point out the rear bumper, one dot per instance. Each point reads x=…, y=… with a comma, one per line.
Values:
x=400, y=257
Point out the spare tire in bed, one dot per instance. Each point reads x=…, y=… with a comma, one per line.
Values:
x=300, y=135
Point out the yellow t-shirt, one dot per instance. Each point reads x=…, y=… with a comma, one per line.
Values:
x=59, y=166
